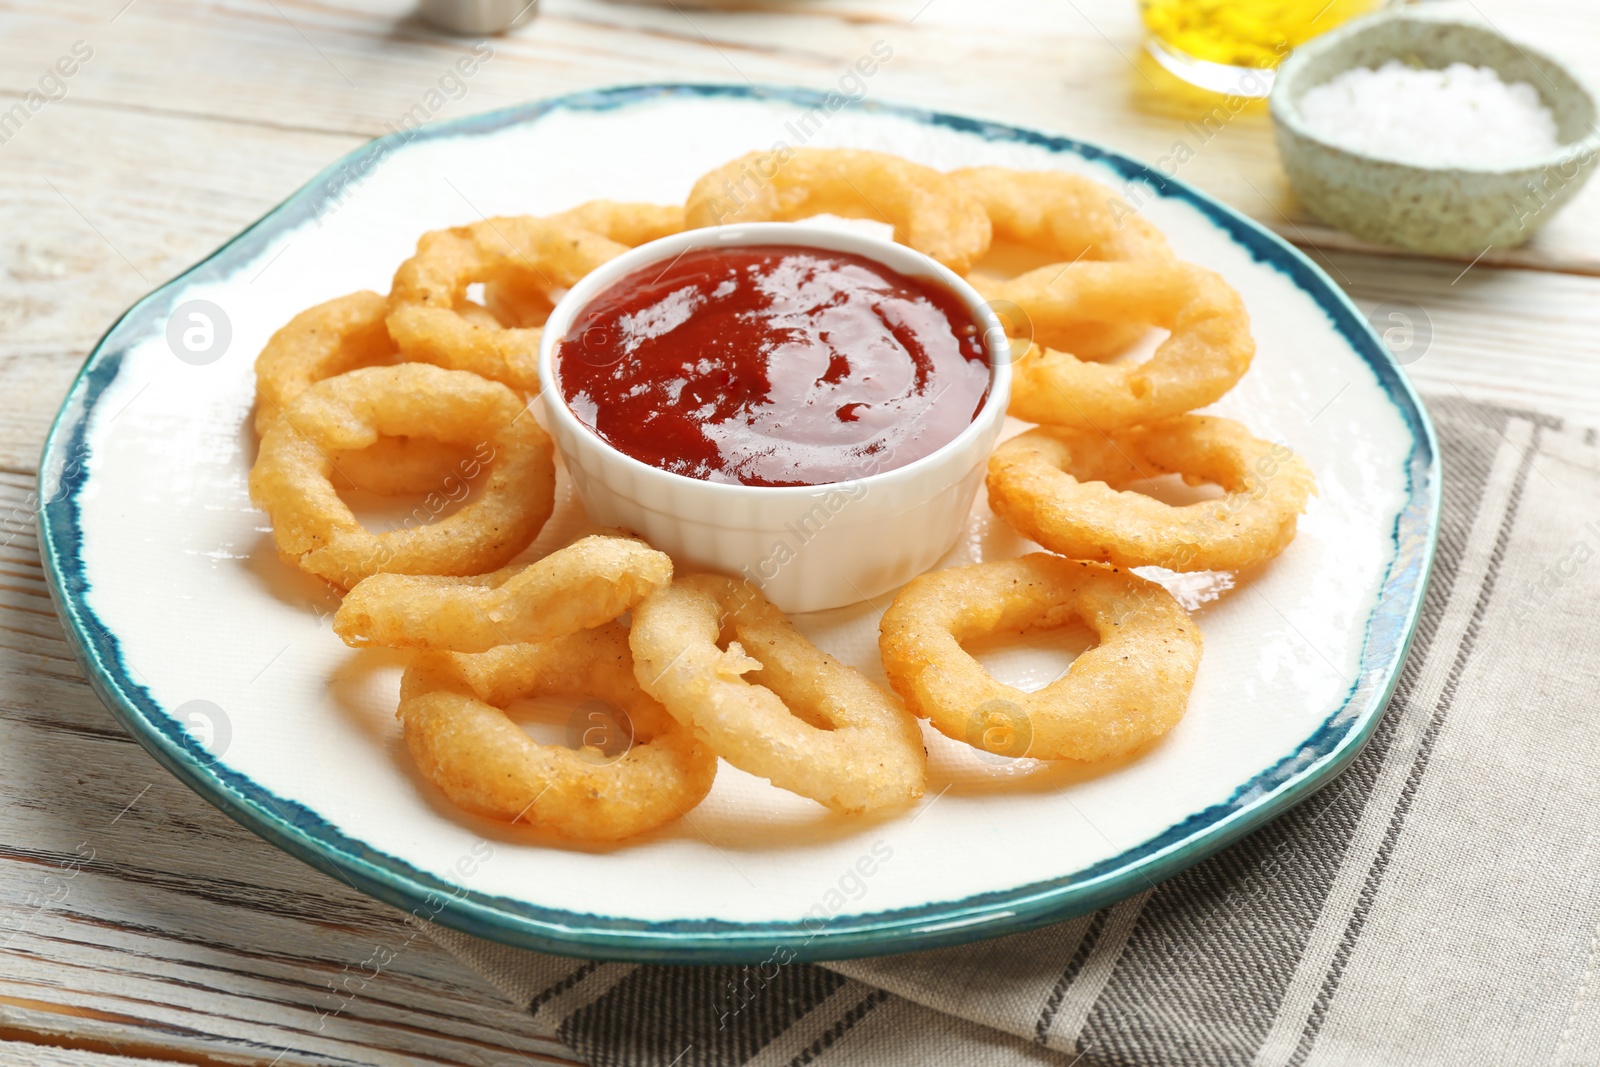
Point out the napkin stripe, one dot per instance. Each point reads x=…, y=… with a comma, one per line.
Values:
x=1121, y=918
x=1052, y=1004
x=860, y=1010
x=566, y=983
x=1221, y=941
x=660, y=1015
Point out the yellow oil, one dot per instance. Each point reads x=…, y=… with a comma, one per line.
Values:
x=1245, y=33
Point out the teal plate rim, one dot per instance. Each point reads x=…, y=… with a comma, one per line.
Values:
x=306, y=835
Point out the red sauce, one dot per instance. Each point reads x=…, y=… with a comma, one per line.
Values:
x=774, y=365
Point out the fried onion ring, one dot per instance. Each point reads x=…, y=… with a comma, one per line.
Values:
x=928, y=211
x=477, y=315
x=330, y=339
x=446, y=338
x=628, y=224
x=522, y=262
x=584, y=584
x=336, y=336
x=517, y=304
x=538, y=251
x=450, y=706
x=812, y=725
x=1128, y=690
x=1068, y=218
x=1209, y=349
x=1060, y=488
x=316, y=530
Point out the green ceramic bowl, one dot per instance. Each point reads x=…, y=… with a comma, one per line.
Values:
x=1447, y=211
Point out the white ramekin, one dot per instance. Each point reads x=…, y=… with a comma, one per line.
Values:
x=807, y=547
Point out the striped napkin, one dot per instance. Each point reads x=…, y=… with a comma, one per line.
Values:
x=1435, y=904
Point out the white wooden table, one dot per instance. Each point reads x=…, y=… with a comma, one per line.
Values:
x=137, y=924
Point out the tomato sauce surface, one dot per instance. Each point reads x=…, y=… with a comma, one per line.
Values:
x=774, y=365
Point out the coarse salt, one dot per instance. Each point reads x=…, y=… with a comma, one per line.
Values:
x=1461, y=116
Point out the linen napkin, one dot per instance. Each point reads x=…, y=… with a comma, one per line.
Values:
x=1435, y=904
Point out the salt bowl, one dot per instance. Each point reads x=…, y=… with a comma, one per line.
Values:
x=1441, y=207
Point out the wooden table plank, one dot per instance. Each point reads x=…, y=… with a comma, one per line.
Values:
x=79, y=244
x=1518, y=337
x=76, y=1055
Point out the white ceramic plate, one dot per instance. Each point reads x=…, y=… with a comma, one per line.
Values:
x=221, y=661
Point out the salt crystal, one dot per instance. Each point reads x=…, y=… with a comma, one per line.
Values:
x=1461, y=116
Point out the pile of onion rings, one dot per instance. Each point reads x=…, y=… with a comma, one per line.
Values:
x=425, y=392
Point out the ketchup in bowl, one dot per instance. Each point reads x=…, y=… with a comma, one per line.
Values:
x=774, y=365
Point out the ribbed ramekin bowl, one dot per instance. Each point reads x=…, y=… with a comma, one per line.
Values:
x=808, y=547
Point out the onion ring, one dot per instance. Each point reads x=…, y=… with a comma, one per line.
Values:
x=1209, y=349
x=813, y=726
x=446, y=338
x=1069, y=218
x=521, y=305
x=929, y=212
x=520, y=247
x=477, y=315
x=450, y=707
x=522, y=262
x=316, y=531
x=1060, y=488
x=625, y=223
x=515, y=303
x=330, y=339
x=337, y=336
x=585, y=584
x=1122, y=694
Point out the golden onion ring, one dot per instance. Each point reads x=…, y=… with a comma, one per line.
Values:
x=812, y=725
x=447, y=338
x=626, y=223
x=538, y=251
x=336, y=336
x=1116, y=697
x=1067, y=218
x=521, y=261
x=589, y=582
x=461, y=739
x=928, y=210
x=1209, y=349
x=316, y=530
x=327, y=340
x=1061, y=488
x=516, y=303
